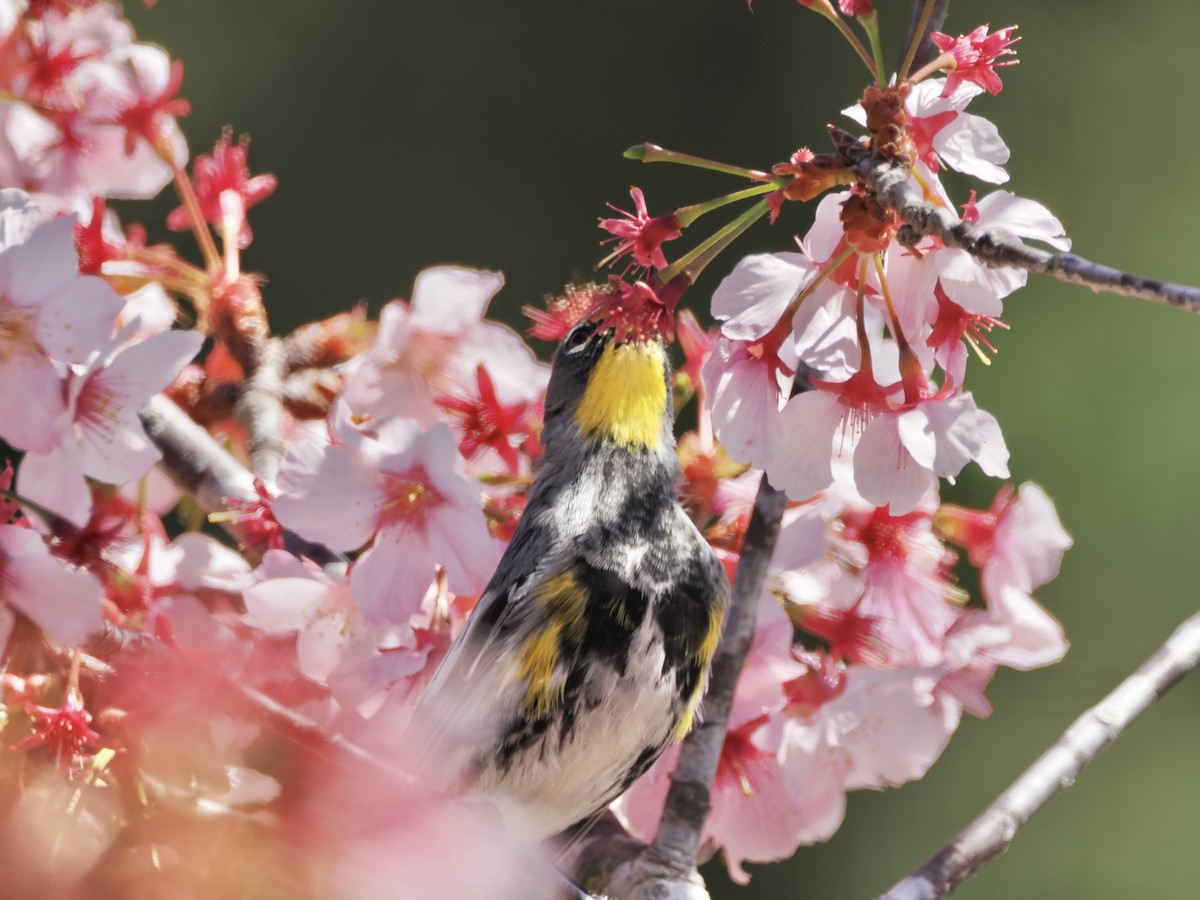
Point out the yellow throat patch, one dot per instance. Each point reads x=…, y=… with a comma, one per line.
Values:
x=626, y=396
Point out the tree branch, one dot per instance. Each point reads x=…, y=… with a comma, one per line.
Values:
x=198, y=464
x=989, y=835
x=259, y=409
x=193, y=459
x=994, y=248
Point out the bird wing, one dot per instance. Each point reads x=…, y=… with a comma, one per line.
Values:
x=477, y=690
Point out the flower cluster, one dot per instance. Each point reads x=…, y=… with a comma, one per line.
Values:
x=381, y=466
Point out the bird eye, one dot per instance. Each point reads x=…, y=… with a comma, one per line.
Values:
x=578, y=336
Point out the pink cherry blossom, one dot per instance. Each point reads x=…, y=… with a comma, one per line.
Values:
x=103, y=438
x=224, y=187
x=977, y=56
x=62, y=600
x=434, y=346
x=404, y=490
x=944, y=133
x=640, y=235
x=49, y=316
x=747, y=386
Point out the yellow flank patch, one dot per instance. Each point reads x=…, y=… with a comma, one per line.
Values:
x=704, y=655
x=563, y=600
x=537, y=657
x=712, y=637
x=626, y=396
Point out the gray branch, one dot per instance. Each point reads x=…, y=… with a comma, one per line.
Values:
x=990, y=835
x=259, y=409
x=193, y=458
x=995, y=248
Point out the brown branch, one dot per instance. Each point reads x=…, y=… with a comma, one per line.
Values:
x=994, y=248
x=990, y=835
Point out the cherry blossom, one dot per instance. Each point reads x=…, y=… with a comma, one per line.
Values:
x=434, y=346
x=62, y=600
x=976, y=57
x=224, y=187
x=103, y=438
x=401, y=488
x=639, y=235
x=49, y=316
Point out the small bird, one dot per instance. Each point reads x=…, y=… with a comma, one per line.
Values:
x=588, y=652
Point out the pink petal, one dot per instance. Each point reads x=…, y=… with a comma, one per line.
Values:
x=802, y=463
x=754, y=296
x=32, y=412
x=448, y=299
x=1023, y=218
x=55, y=480
x=972, y=145
x=63, y=601
x=458, y=539
x=884, y=471
x=327, y=494
x=280, y=605
x=389, y=581
x=826, y=333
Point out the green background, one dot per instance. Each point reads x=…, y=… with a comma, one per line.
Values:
x=406, y=134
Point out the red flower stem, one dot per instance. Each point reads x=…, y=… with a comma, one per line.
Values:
x=187, y=194
x=652, y=153
x=945, y=61
x=829, y=13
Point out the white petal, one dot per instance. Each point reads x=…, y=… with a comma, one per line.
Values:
x=447, y=299
x=802, y=462
x=55, y=480
x=884, y=472
x=754, y=296
x=62, y=600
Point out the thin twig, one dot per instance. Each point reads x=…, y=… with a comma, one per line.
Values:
x=989, y=835
x=994, y=248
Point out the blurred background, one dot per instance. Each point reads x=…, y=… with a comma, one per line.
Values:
x=490, y=134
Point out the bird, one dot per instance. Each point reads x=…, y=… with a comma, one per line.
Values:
x=588, y=651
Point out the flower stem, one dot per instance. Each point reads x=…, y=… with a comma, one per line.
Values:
x=208, y=247
x=829, y=13
x=917, y=37
x=689, y=214
x=945, y=61
x=693, y=263
x=870, y=25
x=651, y=153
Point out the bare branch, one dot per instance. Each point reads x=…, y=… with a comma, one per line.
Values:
x=989, y=835
x=193, y=459
x=198, y=464
x=890, y=183
x=259, y=409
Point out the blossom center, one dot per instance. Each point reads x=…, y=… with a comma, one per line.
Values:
x=408, y=497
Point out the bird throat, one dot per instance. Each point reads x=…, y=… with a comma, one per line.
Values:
x=626, y=397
